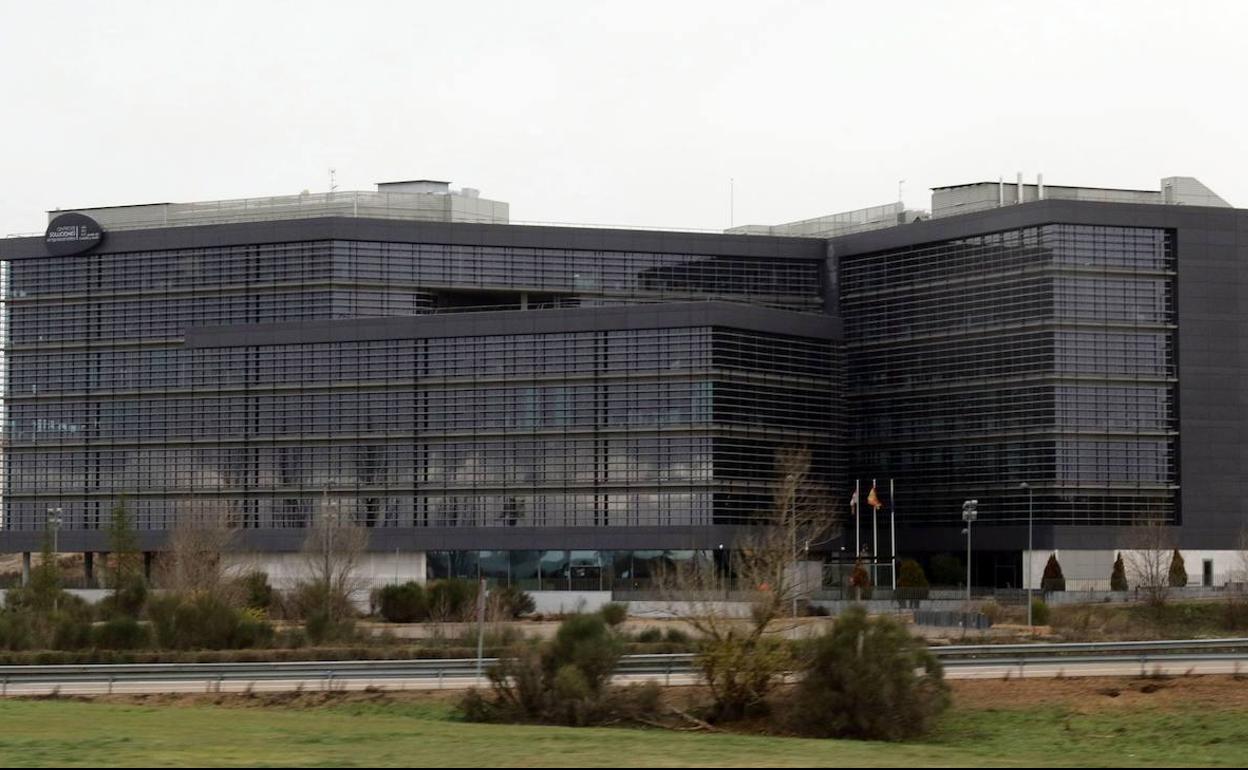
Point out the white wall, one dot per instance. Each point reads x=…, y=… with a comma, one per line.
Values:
x=376, y=569
x=1089, y=570
x=568, y=602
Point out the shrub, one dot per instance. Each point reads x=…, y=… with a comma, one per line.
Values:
x=252, y=631
x=1235, y=612
x=205, y=622
x=741, y=671
x=121, y=633
x=258, y=592
x=403, y=603
x=27, y=600
x=911, y=581
x=1053, y=579
x=293, y=638
x=869, y=679
x=28, y=623
x=614, y=613
x=1040, y=612
x=650, y=636
x=860, y=581
x=1118, y=578
x=561, y=681
x=586, y=642
x=676, y=636
x=17, y=632
x=15, y=600
x=451, y=600
x=307, y=599
x=992, y=610
x=493, y=637
x=127, y=599
x=320, y=627
x=911, y=575
x=71, y=633
x=512, y=602
x=1178, y=570
x=947, y=570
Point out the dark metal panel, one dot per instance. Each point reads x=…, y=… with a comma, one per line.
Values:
x=1038, y=213
x=520, y=236
x=658, y=316
x=408, y=539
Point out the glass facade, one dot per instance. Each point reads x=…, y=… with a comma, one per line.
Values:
x=1043, y=355
x=562, y=570
x=602, y=428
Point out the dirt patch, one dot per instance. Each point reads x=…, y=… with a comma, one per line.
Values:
x=1092, y=694
x=71, y=567
x=286, y=700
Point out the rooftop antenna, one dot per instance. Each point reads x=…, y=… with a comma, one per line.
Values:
x=732, y=202
x=333, y=179
x=901, y=187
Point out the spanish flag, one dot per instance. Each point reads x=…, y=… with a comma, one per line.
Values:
x=873, y=499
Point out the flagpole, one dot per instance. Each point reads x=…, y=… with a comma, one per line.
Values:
x=857, y=520
x=875, y=540
x=892, y=525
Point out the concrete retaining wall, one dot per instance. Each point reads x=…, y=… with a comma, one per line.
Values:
x=659, y=609
x=567, y=602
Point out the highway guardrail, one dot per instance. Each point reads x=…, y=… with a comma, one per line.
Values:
x=957, y=656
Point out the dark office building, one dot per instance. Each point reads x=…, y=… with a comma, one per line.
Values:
x=1076, y=360
x=571, y=407
x=513, y=400
x=1032, y=354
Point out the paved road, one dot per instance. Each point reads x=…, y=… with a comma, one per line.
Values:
x=1037, y=669
x=342, y=684
x=1125, y=668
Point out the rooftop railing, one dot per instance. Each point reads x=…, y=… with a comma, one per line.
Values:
x=407, y=206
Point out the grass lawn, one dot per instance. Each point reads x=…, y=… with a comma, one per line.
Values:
x=421, y=732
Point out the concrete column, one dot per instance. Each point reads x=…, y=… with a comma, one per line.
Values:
x=88, y=568
x=25, y=569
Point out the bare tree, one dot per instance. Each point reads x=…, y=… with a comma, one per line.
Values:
x=1236, y=614
x=1239, y=571
x=768, y=560
x=332, y=553
x=125, y=561
x=1149, y=547
x=803, y=511
x=197, y=558
x=741, y=658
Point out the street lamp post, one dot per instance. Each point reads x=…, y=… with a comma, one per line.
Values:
x=724, y=571
x=1030, y=552
x=481, y=597
x=54, y=523
x=970, y=511
x=792, y=492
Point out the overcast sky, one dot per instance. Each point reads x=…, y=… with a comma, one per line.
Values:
x=635, y=113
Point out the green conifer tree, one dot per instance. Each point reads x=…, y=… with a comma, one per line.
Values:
x=1178, y=570
x=1118, y=579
